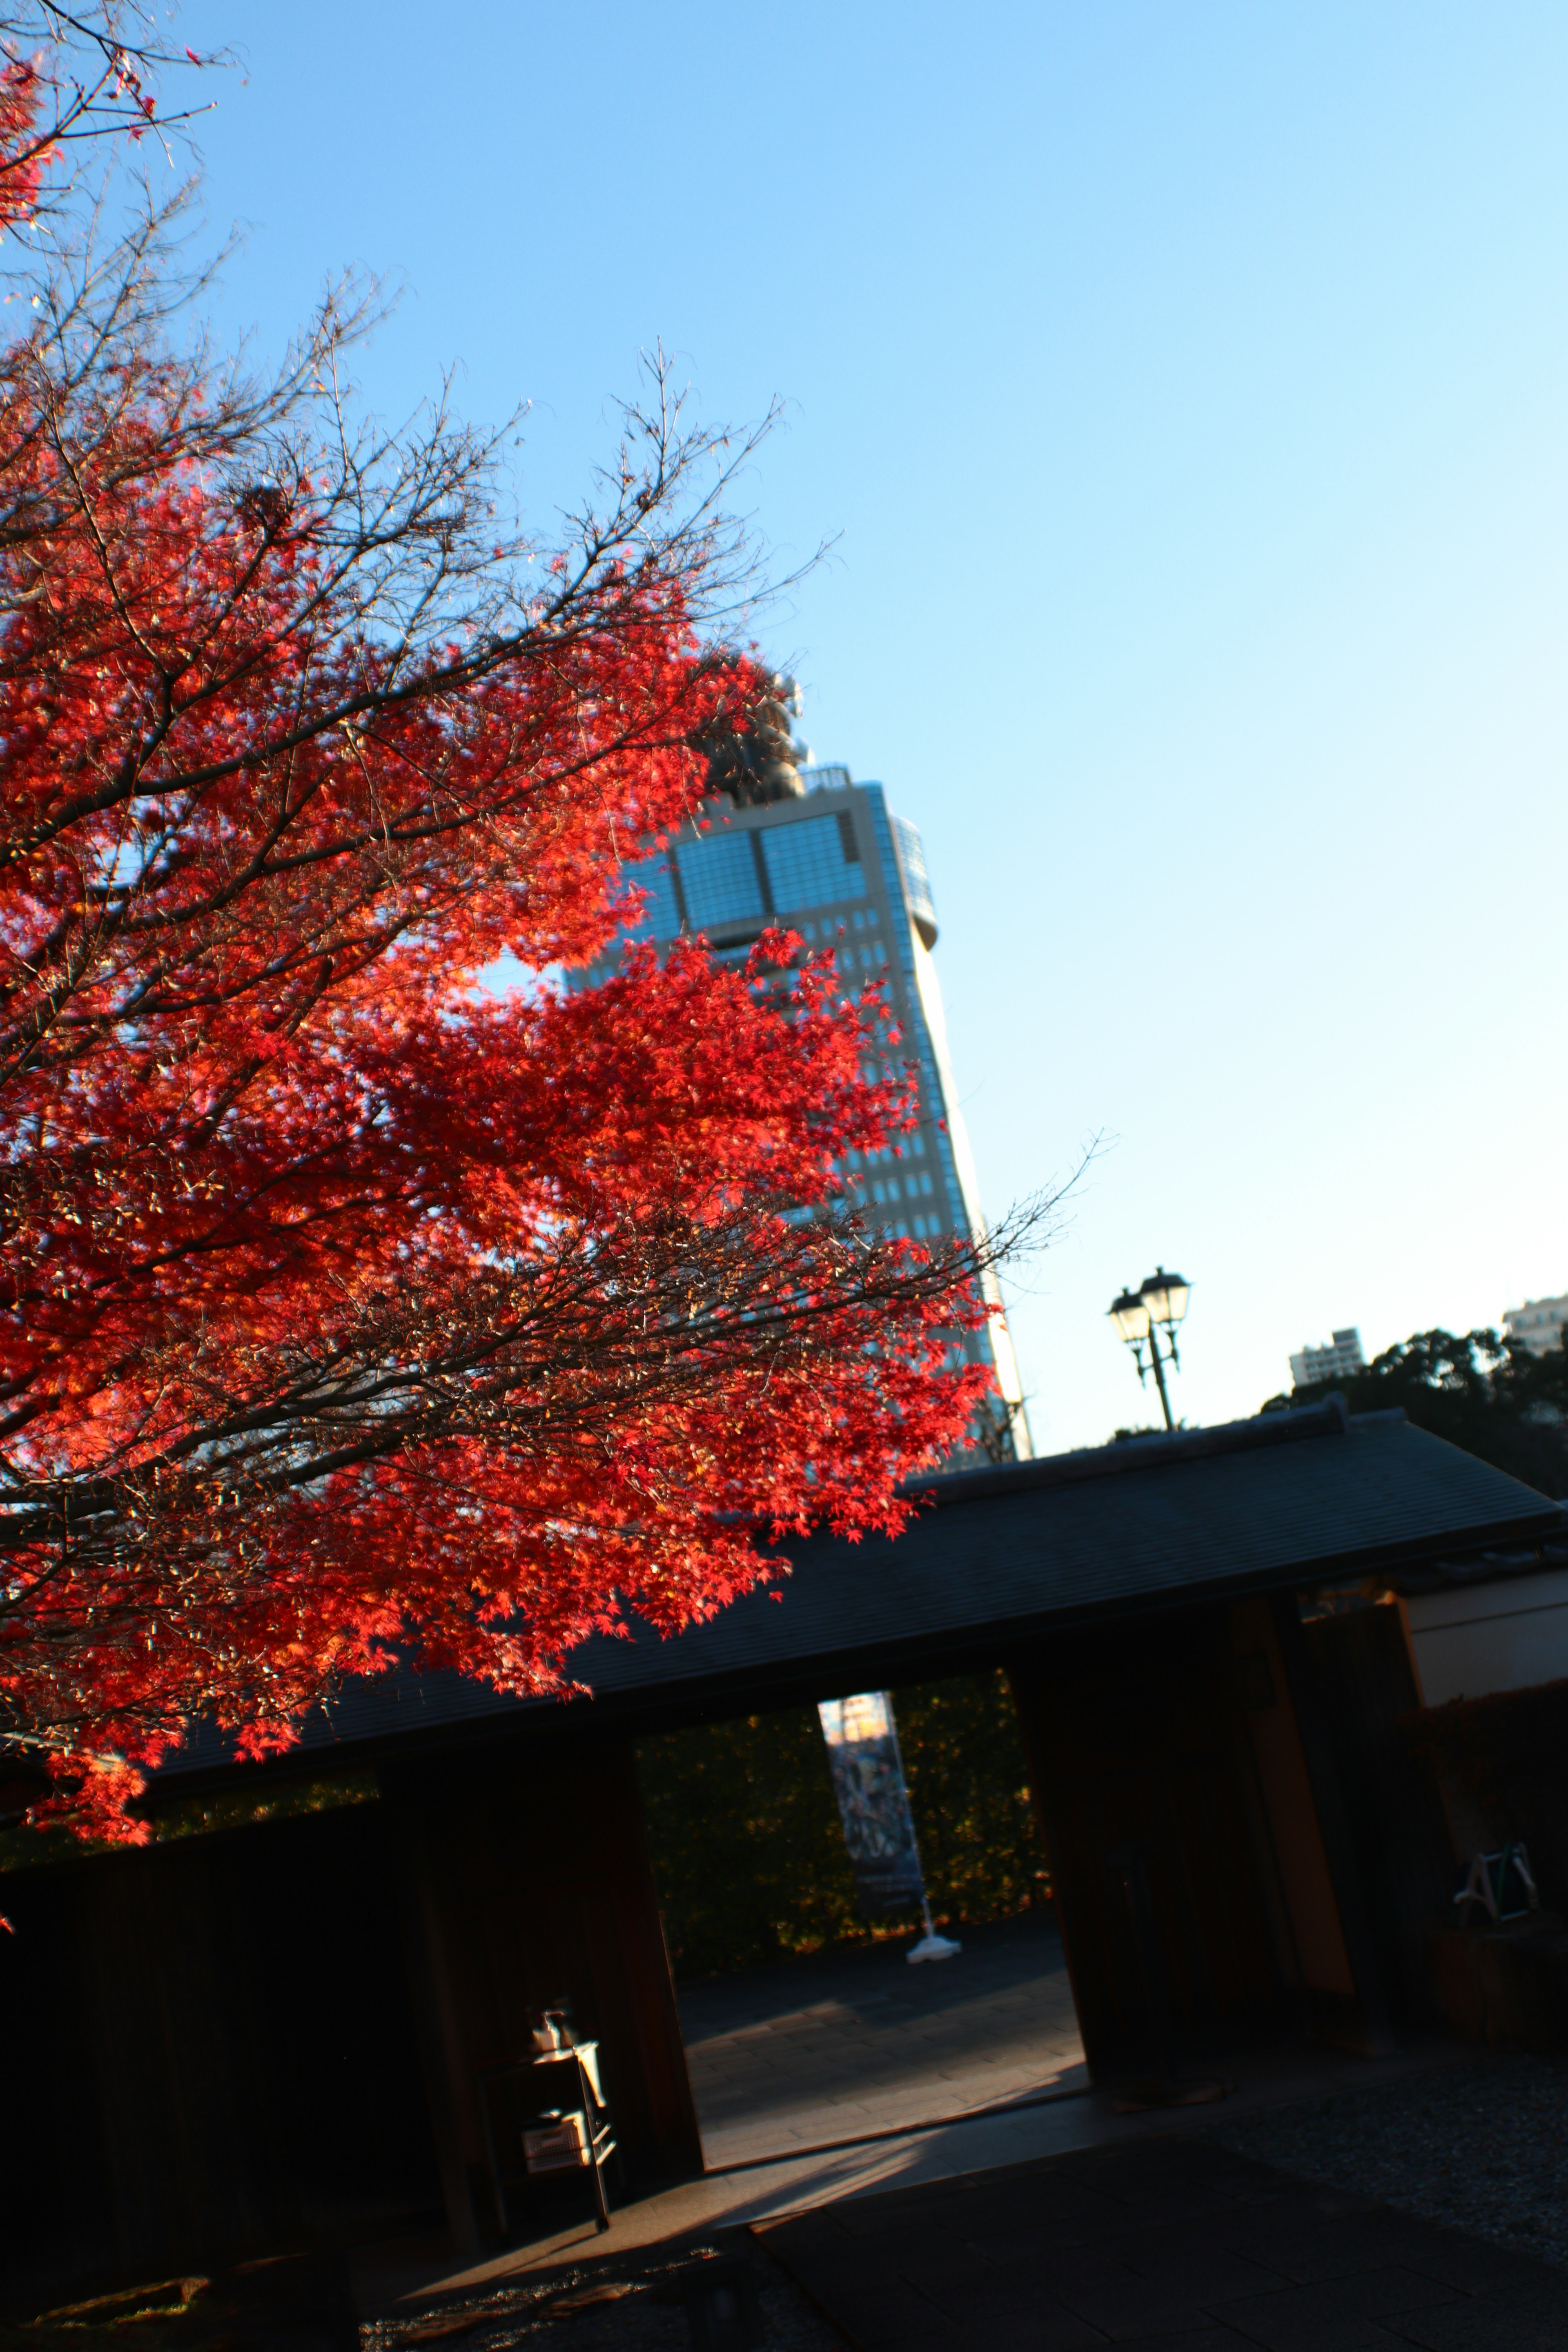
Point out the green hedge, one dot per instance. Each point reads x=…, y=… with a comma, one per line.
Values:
x=747, y=1850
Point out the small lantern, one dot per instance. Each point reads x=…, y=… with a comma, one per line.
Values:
x=1129, y=1313
x=1165, y=1295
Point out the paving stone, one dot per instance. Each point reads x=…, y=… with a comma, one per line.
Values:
x=1195, y=2339
x=1476, y=2267
x=1478, y=2326
x=890, y=2314
x=1159, y=2244
x=1073, y=2275
x=1206, y=2273
x=997, y=2318
x=1297, y=2237
x=1332, y=2312
x=1126, y=2306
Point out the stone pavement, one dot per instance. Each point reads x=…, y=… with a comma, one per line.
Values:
x=821, y=2051
x=560, y=2231
x=1166, y=2244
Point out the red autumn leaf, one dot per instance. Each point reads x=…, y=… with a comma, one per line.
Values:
x=353, y=1311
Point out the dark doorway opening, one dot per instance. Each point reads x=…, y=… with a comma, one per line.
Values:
x=805, y=2025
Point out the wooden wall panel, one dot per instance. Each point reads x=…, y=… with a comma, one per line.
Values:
x=221, y=2058
x=1132, y=1740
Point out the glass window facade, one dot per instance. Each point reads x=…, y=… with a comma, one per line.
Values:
x=719, y=879
x=813, y=863
x=917, y=881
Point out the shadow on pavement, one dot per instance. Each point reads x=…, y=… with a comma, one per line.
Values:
x=1168, y=2243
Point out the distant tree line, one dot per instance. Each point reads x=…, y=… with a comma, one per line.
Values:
x=1485, y=1392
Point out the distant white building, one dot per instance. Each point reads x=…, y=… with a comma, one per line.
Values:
x=1342, y=1357
x=1538, y=1324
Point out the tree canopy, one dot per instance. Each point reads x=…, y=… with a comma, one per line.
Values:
x=367, y=1296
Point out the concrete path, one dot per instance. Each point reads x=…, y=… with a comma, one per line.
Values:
x=394, y=2277
x=1168, y=2245
x=821, y=2051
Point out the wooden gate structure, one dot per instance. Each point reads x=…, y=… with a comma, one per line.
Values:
x=231, y=2044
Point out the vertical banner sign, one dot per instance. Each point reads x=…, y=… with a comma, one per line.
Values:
x=873, y=1803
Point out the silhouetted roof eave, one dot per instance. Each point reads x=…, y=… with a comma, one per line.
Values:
x=1285, y=1501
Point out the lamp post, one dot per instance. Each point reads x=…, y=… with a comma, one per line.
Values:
x=1157, y=1304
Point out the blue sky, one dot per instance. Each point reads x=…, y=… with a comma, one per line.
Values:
x=1185, y=392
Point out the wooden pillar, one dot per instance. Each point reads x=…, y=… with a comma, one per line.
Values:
x=441, y=2047
x=1129, y=1734
x=1329, y=1798
x=1027, y=1673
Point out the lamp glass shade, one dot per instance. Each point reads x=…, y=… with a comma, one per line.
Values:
x=1129, y=1313
x=1166, y=1296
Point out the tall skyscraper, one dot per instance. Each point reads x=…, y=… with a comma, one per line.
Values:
x=813, y=851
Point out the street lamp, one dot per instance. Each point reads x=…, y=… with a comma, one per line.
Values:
x=1157, y=1304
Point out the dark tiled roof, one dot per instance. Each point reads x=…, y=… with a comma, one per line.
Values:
x=1287, y=1500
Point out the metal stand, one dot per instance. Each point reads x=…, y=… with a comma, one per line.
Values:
x=932, y=1946
x=583, y=2057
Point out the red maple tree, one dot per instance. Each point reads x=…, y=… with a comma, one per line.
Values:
x=357, y=1304
x=84, y=77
